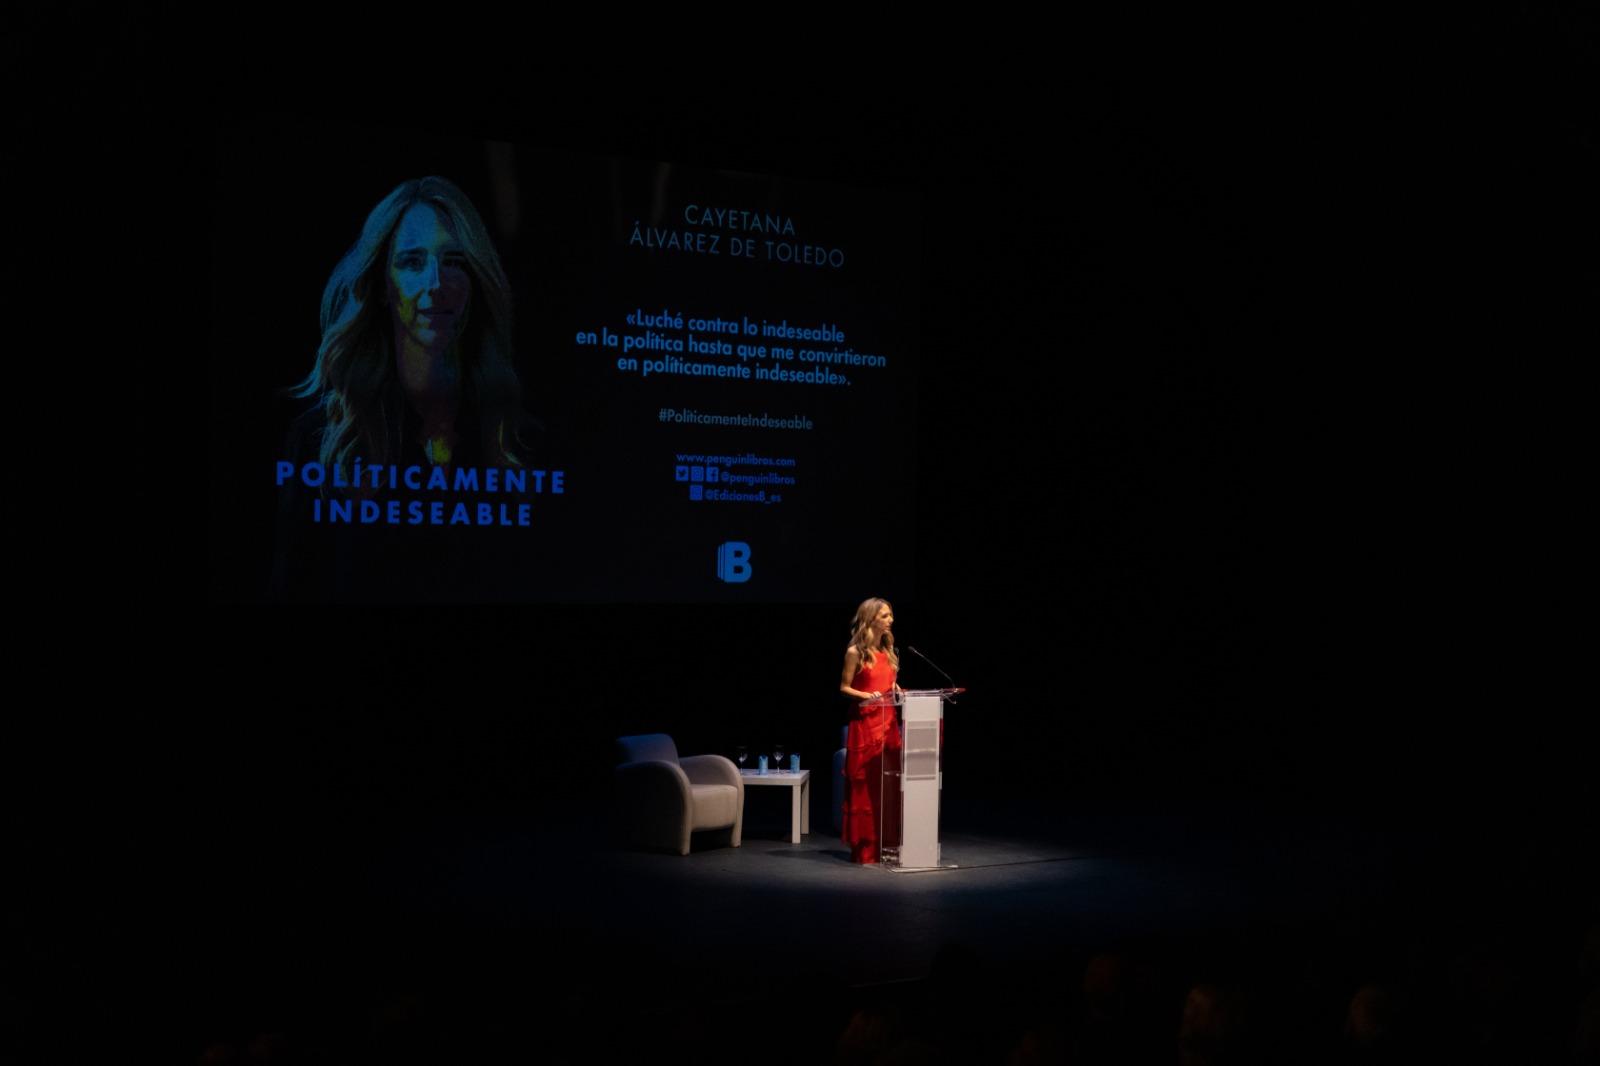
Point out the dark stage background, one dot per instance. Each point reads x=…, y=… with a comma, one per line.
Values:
x=1204, y=520
x=1141, y=518
x=1175, y=508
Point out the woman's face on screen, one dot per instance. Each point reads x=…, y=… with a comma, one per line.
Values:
x=429, y=286
x=884, y=619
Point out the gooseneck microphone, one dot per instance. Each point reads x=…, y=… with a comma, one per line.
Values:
x=933, y=664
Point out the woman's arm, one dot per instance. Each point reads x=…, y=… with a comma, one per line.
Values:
x=852, y=664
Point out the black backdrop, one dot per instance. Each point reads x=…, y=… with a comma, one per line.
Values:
x=1211, y=533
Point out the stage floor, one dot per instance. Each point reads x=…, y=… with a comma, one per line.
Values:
x=771, y=910
x=494, y=926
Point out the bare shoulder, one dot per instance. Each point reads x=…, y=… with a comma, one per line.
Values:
x=850, y=653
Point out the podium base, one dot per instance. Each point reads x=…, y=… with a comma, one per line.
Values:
x=944, y=864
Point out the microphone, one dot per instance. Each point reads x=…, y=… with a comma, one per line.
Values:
x=933, y=664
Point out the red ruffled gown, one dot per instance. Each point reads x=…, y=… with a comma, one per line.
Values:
x=873, y=740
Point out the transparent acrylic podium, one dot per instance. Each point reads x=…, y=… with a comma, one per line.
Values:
x=907, y=806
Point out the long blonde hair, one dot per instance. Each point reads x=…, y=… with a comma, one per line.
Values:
x=866, y=614
x=354, y=371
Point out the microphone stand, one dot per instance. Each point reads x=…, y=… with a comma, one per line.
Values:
x=933, y=664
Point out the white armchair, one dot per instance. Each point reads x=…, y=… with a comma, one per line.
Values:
x=661, y=799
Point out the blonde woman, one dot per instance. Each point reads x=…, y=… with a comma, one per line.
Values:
x=415, y=363
x=871, y=666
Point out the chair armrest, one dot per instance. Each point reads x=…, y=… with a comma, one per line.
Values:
x=711, y=770
x=656, y=783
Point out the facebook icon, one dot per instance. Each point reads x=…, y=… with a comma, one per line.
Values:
x=733, y=562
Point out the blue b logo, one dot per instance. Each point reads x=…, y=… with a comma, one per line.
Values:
x=733, y=562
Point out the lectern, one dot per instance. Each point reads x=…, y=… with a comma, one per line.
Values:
x=908, y=792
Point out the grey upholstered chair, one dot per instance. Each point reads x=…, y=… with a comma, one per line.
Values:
x=661, y=798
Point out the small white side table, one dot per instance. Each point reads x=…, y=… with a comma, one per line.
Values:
x=799, y=784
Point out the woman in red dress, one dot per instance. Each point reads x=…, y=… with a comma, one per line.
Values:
x=870, y=667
